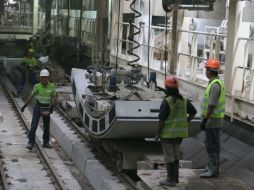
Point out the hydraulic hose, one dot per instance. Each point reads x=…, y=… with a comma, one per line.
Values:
x=131, y=37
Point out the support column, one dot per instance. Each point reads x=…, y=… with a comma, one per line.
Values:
x=35, y=16
x=233, y=24
x=174, y=42
x=101, y=30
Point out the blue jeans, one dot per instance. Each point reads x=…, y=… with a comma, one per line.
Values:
x=212, y=143
x=31, y=78
x=34, y=125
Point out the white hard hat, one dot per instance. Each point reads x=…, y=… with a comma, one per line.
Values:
x=44, y=73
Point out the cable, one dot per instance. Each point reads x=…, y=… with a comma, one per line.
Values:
x=132, y=35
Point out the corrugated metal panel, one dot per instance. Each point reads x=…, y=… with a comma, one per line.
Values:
x=248, y=12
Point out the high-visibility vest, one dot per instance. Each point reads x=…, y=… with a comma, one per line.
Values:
x=29, y=61
x=176, y=123
x=219, y=109
x=43, y=94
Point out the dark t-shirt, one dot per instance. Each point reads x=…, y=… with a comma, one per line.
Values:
x=164, y=113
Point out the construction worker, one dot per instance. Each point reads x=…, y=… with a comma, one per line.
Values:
x=175, y=113
x=28, y=67
x=44, y=93
x=212, y=114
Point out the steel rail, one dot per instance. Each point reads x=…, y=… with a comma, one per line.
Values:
x=56, y=178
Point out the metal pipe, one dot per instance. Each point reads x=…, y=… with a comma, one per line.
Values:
x=199, y=32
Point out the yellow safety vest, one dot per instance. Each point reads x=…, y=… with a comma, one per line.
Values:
x=43, y=94
x=219, y=110
x=176, y=123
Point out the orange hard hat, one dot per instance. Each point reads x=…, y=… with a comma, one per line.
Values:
x=213, y=64
x=171, y=82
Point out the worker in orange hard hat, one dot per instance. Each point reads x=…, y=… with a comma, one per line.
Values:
x=172, y=127
x=213, y=64
x=171, y=82
x=212, y=114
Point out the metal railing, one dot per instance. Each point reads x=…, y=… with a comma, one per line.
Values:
x=192, y=53
x=16, y=19
x=158, y=48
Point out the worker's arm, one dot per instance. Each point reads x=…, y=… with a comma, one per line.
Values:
x=213, y=101
x=163, y=115
x=53, y=99
x=52, y=104
x=159, y=130
x=209, y=111
x=26, y=103
x=190, y=117
x=191, y=111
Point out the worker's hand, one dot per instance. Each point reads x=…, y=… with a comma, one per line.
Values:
x=23, y=108
x=157, y=137
x=203, y=124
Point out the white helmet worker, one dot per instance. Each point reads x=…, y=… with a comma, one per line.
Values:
x=44, y=73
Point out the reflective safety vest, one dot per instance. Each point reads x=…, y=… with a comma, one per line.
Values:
x=43, y=94
x=176, y=123
x=219, y=109
x=29, y=61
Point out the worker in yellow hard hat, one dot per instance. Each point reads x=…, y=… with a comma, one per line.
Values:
x=28, y=67
x=212, y=114
x=173, y=128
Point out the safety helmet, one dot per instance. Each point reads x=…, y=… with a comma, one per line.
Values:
x=44, y=73
x=213, y=64
x=31, y=50
x=171, y=82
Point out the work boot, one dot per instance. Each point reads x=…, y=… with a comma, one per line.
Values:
x=30, y=146
x=209, y=174
x=177, y=171
x=168, y=182
x=47, y=145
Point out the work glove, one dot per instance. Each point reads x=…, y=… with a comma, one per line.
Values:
x=203, y=124
x=23, y=108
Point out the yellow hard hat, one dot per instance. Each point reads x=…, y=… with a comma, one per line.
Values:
x=31, y=50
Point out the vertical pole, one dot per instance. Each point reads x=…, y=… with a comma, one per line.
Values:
x=58, y=17
x=231, y=42
x=80, y=31
x=149, y=39
x=35, y=16
x=174, y=42
x=48, y=7
x=68, y=18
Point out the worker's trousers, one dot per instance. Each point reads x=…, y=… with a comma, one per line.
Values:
x=26, y=73
x=212, y=143
x=34, y=125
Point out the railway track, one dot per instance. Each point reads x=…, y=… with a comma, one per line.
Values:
x=96, y=147
x=101, y=154
x=36, y=163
